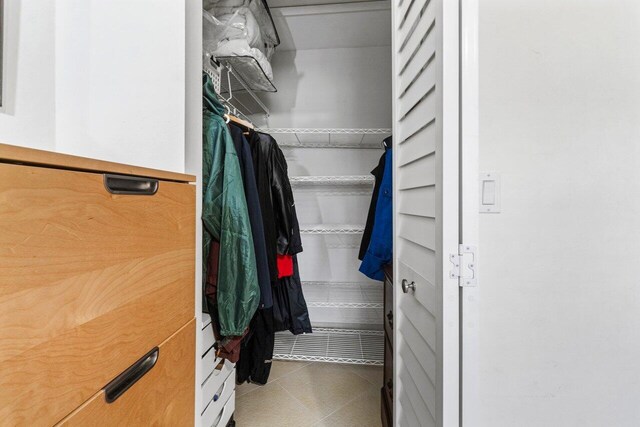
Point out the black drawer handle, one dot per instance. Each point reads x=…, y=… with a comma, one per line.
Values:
x=125, y=380
x=122, y=184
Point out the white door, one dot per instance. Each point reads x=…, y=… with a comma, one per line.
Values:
x=426, y=212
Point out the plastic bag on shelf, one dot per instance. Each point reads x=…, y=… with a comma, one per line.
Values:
x=259, y=11
x=240, y=48
x=215, y=32
x=221, y=40
x=243, y=20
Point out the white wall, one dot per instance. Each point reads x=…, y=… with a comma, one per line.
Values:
x=560, y=300
x=193, y=162
x=96, y=78
x=120, y=80
x=27, y=115
x=332, y=88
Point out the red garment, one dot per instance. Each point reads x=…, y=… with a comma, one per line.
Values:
x=285, y=266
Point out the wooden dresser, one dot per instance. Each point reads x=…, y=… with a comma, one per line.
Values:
x=386, y=402
x=97, y=264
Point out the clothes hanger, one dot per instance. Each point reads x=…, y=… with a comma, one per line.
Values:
x=242, y=123
x=227, y=117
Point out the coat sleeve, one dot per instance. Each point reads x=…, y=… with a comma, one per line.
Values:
x=380, y=248
x=212, y=184
x=283, y=204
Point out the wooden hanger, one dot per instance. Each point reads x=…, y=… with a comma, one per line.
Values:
x=238, y=121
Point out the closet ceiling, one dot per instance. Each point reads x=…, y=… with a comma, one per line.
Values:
x=330, y=26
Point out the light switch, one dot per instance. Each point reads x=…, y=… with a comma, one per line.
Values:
x=489, y=192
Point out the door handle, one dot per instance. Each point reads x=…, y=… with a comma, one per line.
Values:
x=130, y=376
x=134, y=185
x=406, y=286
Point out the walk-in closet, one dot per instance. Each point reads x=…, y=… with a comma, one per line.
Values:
x=221, y=213
x=321, y=88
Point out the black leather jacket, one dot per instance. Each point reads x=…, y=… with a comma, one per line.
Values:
x=282, y=232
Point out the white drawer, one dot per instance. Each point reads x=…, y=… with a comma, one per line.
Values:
x=219, y=413
x=206, y=319
x=227, y=412
x=216, y=381
x=207, y=364
x=207, y=339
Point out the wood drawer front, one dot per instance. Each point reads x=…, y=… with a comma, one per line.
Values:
x=388, y=308
x=386, y=415
x=388, y=368
x=163, y=396
x=89, y=282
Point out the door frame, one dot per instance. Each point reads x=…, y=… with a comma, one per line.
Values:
x=466, y=388
x=448, y=400
x=469, y=206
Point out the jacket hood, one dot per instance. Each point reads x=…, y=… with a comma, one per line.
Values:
x=210, y=99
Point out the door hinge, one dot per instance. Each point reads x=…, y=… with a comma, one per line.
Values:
x=464, y=266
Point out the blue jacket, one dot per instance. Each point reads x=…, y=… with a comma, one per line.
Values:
x=380, y=251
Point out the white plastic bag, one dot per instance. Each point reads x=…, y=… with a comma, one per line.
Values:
x=243, y=20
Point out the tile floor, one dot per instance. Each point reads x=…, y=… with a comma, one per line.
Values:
x=312, y=394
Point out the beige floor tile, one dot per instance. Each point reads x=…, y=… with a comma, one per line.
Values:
x=373, y=374
x=245, y=388
x=363, y=411
x=269, y=406
x=281, y=368
x=325, y=387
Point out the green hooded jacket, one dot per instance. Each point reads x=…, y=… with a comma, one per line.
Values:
x=226, y=219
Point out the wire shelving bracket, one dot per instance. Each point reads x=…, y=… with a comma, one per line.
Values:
x=361, y=347
x=332, y=180
x=332, y=229
x=215, y=71
x=343, y=294
x=329, y=138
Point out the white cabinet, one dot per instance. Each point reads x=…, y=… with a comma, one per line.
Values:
x=218, y=381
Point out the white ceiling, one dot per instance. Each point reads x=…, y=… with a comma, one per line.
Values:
x=337, y=25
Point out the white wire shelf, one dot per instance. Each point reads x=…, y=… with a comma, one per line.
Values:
x=332, y=180
x=329, y=138
x=349, y=331
x=332, y=229
x=219, y=72
x=343, y=294
x=360, y=347
x=343, y=131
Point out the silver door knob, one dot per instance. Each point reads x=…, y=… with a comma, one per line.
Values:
x=406, y=286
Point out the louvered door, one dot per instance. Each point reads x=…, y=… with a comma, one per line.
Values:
x=426, y=213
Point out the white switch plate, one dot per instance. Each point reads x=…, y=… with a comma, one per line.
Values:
x=490, y=197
